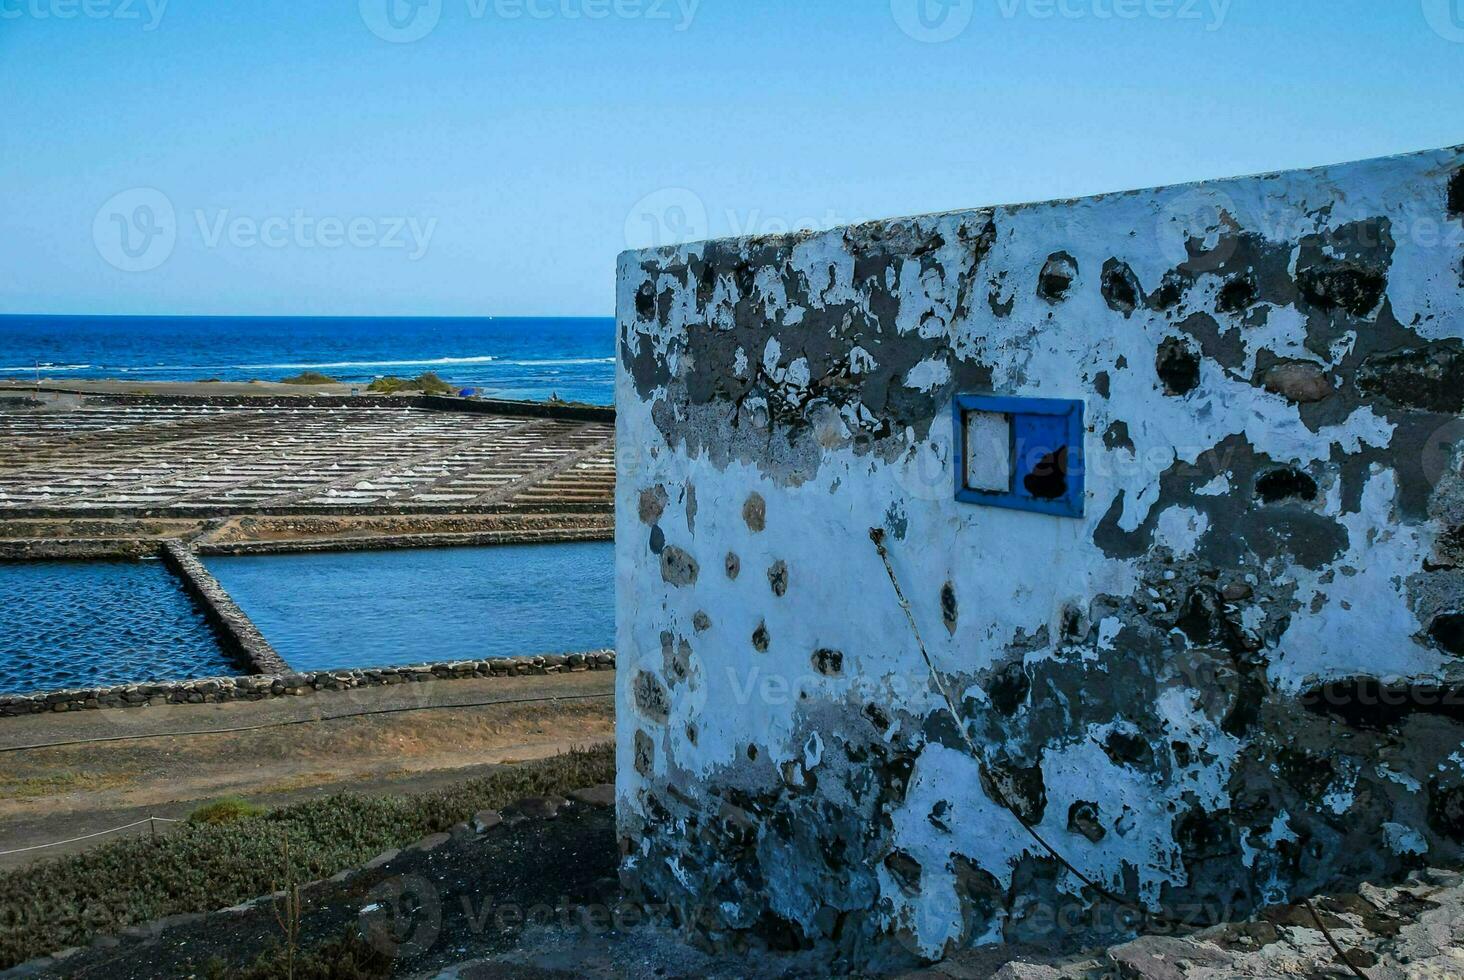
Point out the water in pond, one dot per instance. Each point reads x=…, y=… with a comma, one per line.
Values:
x=378, y=609
x=96, y=624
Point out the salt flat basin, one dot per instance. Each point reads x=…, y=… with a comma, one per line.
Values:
x=98, y=624
x=376, y=609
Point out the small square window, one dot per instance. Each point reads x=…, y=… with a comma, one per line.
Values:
x=1020, y=453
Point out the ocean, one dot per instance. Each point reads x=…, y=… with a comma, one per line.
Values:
x=502, y=357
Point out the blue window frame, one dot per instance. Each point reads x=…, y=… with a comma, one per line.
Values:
x=1042, y=469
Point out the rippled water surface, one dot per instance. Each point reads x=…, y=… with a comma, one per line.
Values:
x=95, y=624
x=376, y=609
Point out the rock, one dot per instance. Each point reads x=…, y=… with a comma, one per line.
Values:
x=534, y=808
x=1298, y=381
x=383, y=858
x=601, y=795
x=1165, y=958
x=430, y=843
x=1238, y=592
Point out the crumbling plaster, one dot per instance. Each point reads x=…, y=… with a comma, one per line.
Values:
x=1189, y=692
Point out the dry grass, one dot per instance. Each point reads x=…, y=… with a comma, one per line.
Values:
x=65, y=902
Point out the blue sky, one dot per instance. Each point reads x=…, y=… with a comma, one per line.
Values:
x=279, y=157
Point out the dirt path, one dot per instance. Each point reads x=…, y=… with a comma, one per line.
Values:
x=59, y=793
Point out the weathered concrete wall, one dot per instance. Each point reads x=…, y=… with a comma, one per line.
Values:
x=1233, y=681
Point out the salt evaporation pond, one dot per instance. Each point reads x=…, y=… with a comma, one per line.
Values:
x=99, y=624
x=335, y=611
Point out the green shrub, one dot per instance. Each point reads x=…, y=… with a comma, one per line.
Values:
x=228, y=810
x=199, y=867
x=309, y=378
x=427, y=383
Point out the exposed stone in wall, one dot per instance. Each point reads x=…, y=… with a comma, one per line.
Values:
x=1175, y=691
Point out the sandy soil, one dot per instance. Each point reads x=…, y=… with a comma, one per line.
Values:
x=57, y=793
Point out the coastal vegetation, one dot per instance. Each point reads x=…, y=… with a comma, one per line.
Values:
x=428, y=383
x=309, y=378
x=228, y=810
x=203, y=865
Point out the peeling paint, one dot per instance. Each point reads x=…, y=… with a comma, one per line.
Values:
x=1188, y=692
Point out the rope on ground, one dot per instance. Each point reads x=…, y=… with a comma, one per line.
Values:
x=1306, y=903
x=100, y=833
x=300, y=721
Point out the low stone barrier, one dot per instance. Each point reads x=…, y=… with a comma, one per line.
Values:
x=214, y=690
x=239, y=636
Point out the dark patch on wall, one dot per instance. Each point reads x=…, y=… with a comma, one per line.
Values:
x=1178, y=366
x=761, y=640
x=1446, y=810
x=1102, y=384
x=949, y=610
x=645, y=754
x=733, y=565
x=1056, y=277
x=905, y=870
x=1116, y=436
x=1287, y=483
x=1447, y=630
x=830, y=663
x=778, y=578
x=1008, y=688
x=1300, y=382
x=1342, y=285
x=652, y=504
x=1239, y=293
x=1429, y=378
x=677, y=567
x=1083, y=819
x=1121, y=289
x=755, y=512
x=701, y=622
x=1370, y=704
x=645, y=301
x=1128, y=749
x=1456, y=194
x=651, y=698
x=1019, y=788
x=1048, y=478
x=1171, y=290
x=658, y=540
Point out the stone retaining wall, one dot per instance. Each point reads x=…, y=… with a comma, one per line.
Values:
x=239, y=637
x=214, y=690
